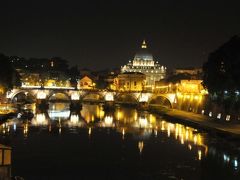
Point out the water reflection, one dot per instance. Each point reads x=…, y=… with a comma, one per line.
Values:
x=127, y=122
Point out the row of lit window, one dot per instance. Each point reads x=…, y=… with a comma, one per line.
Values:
x=145, y=67
x=146, y=71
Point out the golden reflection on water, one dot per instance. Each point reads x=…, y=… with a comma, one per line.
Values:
x=124, y=120
x=140, y=146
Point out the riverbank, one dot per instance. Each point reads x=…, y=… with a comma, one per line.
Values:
x=214, y=126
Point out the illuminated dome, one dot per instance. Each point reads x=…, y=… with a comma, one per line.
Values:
x=143, y=54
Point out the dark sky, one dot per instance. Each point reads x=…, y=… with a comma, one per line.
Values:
x=102, y=34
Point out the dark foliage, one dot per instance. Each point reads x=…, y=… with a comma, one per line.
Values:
x=221, y=71
x=8, y=75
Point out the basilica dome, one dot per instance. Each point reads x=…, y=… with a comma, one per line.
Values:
x=143, y=53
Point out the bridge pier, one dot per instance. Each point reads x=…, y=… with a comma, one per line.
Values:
x=143, y=106
x=109, y=105
x=42, y=104
x=75, y=105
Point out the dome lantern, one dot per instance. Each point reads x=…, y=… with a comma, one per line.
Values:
x=144, y=45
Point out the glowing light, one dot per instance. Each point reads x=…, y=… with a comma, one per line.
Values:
x=143, y=122
x=75, y=96
x=199, y=154
x=156, y=132
x=41, y=95
x=152, y=119
x=190, y=147
x=235, y=163
x=135, y=115
x=140, y=146
x=93, y=118
x=182, y=140
x=119, y=115
x=123, y=133
x=74, y=118
x=25, y=129
x=228, y=118
x=40, y=119
x=172, y=97
x=210, y=114
x=143, y=98
x=52, y=64
x=30, y=87
x=108, y=121
x=59, y=114
x=144, y=45
x=89, y=131
x=109, y=97
x=57, y=87
x=162, y=127
x=226, y=158
x=219, y=116
x=14, y=127
x=169, y=130
x=195, y=139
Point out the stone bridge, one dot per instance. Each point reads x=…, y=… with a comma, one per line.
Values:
x=72, y=94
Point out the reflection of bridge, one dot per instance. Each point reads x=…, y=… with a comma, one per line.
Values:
x=71, y=94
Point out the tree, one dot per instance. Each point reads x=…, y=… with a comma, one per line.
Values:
x=221, y=71
x=8, y=75
x=221, y=74
x=74, y=75
x=59, y=64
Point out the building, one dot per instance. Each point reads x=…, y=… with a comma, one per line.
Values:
x=143, y=62
x=86, y=82
x=130, y=81
x=191, y=86
x=194, y=73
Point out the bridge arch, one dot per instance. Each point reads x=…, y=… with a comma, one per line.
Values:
x=126, y=98
x=21, y=95
x=161, y=100
x=58, y=95
x=92, y=95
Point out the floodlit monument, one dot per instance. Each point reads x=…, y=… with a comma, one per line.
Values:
x=143, y=62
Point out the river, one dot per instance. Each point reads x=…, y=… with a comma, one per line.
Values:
x=119, y=144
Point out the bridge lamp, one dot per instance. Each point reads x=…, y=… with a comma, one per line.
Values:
x=228, y=118
x=143, y=98
x=41, y=95
x=109, y=97
x=108, y=121
x=143, y=122
x=74, y=119
x=75, y=96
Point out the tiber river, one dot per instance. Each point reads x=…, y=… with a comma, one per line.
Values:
x=123, y=144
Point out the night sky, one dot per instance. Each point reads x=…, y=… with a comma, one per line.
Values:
x=100, y=34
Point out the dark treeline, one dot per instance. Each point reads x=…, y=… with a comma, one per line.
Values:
x=222, y=75
x=12, y=67
x=9, y=77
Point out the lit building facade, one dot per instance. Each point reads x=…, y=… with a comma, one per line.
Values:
x=144, y=62
x=130, y=81
x=86, y=83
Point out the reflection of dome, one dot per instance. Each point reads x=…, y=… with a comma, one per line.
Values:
x=143, y=54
